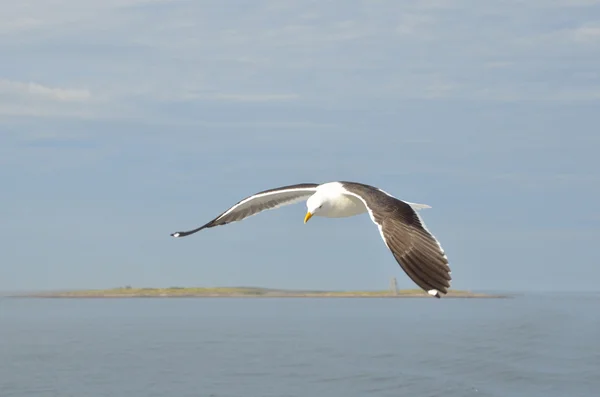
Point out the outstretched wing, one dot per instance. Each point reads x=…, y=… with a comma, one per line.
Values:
x=415, y=249
x=261, y=201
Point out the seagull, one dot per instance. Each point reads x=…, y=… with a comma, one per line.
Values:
x=403, y=231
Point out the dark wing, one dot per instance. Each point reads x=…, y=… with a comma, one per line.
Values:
x=261, y=201
x=416, y=250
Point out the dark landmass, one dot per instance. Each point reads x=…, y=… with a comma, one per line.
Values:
x=245, y=292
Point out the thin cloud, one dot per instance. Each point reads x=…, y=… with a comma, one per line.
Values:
x=256, y=97
x=32, y=99
x=19, y=24
x=40, y=91
x=273, y=52
x=587, y=34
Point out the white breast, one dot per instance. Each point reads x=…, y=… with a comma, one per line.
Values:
x=343, y=206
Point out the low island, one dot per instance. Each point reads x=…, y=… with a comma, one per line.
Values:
x=247, y=292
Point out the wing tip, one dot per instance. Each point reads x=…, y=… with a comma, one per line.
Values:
x=435, y=293
x=176, y=234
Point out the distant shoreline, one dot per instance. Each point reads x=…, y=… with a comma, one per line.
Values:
x=244, y=292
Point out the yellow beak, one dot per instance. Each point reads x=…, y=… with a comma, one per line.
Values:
x=307, y=217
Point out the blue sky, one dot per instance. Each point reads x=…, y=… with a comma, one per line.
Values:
x=122, y=121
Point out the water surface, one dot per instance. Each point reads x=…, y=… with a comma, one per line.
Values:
x=545, y=345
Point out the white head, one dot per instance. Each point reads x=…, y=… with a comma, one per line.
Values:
x=315, y=204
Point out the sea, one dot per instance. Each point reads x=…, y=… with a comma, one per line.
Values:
x=530, y=345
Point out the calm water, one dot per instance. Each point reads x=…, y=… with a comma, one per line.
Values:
x=527, y=346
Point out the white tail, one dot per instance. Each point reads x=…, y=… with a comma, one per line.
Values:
x=418, y=206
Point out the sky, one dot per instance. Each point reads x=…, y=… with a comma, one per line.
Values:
x=122, y=121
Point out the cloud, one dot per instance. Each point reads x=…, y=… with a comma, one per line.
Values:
x=137, y=54
x=586, y=34
x=39, y=91
x=32, y=99
x=575, y=39
x=19, y=24
x=256, y=97
x=570, y=3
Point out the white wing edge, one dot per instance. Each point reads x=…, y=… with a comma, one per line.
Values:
x=305, y=192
